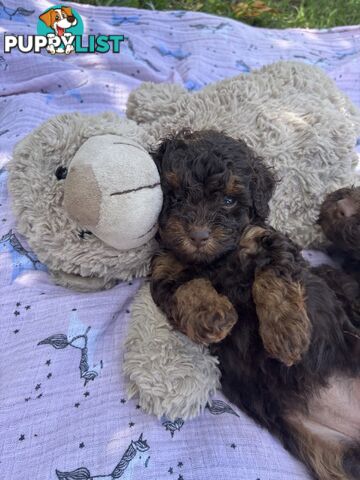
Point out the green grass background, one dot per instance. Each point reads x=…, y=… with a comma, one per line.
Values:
x=283, y=14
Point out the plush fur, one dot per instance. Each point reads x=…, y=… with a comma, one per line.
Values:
x=75, y=258
x=282, y=337
x=188, y=375
x=290, y=114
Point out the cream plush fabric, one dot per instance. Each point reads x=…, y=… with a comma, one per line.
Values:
x=65, y=221
x=292, y=114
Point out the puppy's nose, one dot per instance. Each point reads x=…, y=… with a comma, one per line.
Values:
x=71, y=18
x=199, y=236
x=346, y=207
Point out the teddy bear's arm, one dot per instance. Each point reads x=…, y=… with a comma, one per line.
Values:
x=191, y=304
x=278, y=292
x=151, y=101
x=81, y=284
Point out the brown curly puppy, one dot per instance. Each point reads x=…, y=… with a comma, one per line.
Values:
x=340, y=220
x=292, y=359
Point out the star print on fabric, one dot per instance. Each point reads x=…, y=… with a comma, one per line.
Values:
x=81, y=445
x=40, y=395
x=77, y=405
x=180, y=464
x=123, y=400
x=27, y=399
x=171, y=471
x=48, y=362
x=180, y=477
x=22, y=437
x=27, y=307
x=49, y=375
x=233, y=446
x=86, y=394
x=38, y=386
x=131, y=424
x=16, y=331
x=137, y=407
x=18, y=304
x=16, y=313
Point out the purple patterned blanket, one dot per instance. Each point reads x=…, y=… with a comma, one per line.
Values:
x=63, y=411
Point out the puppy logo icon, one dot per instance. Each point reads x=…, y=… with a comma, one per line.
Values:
x=59, y=24
x=60, y=30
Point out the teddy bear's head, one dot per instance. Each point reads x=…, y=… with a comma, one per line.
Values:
x=87, y=195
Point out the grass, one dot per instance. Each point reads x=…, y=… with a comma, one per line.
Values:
x=262, y=13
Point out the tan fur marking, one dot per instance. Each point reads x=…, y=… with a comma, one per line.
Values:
x=285, y=327
x=234, y=186
x=165, y=267
x=172, y=179
x=201, y=313
x=323, y=456
x=249, y=240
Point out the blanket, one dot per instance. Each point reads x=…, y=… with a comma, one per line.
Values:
x=64, y=414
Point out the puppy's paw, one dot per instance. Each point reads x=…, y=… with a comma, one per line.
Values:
x=201, y=313
x=285, y=327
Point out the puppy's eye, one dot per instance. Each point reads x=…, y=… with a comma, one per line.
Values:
x=61, y=172
x=57, y=17
x=229, y=201
x=176, y=200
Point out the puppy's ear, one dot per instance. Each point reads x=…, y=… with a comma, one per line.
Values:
x=262, y=188
x=166, y=147
x=68, y=11
x=48, y=18
x=158, y=153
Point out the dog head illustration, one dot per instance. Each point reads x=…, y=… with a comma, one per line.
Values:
x=59, y=19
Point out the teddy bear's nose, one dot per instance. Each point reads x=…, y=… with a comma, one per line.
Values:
x=199, y=236
x=346, y=207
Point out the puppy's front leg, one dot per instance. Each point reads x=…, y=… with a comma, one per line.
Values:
x=192, y=305
x=278, y=293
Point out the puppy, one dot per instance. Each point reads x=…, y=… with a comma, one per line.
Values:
x=59, y=19
x=340, y=220
x=289, y=355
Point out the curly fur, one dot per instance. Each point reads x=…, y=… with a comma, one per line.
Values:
x=289, y=113
x=341, y=225
x=292, y=336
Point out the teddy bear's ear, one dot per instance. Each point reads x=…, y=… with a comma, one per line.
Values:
x=262, y=188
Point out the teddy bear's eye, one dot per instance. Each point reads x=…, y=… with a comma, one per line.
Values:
x=83, y=233
x=61, y=172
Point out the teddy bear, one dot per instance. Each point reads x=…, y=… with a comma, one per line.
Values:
x=86, y=195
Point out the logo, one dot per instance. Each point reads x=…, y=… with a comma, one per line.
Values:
x=60, y=31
